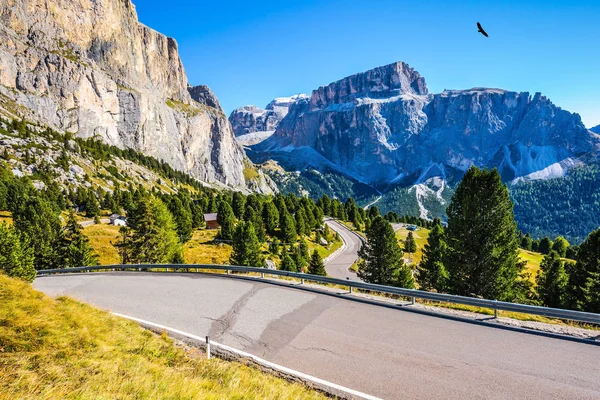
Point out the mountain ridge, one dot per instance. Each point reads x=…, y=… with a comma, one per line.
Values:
x=93, y=69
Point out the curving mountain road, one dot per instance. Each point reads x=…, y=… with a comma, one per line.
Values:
x=385, y=352
x=338, y=265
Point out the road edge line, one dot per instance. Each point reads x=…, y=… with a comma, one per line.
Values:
x=326, y=386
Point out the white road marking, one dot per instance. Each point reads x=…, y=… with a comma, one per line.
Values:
x=258, y=360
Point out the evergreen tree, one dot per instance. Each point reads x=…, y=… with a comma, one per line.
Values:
x=182, y=217
x=153, y=233
x=226, y=219
x=270, y=217
x=288, y=228
x=373, y=212
x=36, y=219
x=16, y=255
x=483, y=247
x=545, y=246
x=410, y=246
x=432, y=273
x=316, y=265
x=583, y=278
x=252, y=216
x=526, y=242
x=552, y=281
x=303, y=249
x=560, y=246
x=74, y=249
x=382, y=257
x=92, y=207
x=274, y=247
x=287, y=264
x=301, y=227
x=246, y=247
x=238, y=205
x=325, y=204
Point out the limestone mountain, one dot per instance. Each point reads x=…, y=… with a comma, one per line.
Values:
x=259, y=122
x=92, y=69
x=383, y=127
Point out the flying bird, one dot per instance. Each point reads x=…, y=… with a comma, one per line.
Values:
x=480, y=29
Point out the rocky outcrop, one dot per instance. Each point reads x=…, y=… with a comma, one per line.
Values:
x=250, y=119
x=91, y=68
x=596, y=129
x=383, y=127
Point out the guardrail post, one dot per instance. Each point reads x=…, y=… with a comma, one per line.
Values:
x=228, y=272
x=196, y=270
x=302, y=281
x=208, y=348
x=167, y=269
x=262, y=275
x=350, y=288
x=412, y=300
x=495, y=309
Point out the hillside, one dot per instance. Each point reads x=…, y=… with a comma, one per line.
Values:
x=61, y=348
x=112, y=78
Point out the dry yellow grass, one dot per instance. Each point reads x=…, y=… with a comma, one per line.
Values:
x=201, y=249
x=102, y=237
x=6, y=216
x=420, y=235
x=63, y=349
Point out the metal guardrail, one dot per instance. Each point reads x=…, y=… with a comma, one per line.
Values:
x=410, y=293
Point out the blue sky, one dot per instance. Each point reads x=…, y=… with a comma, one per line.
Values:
x=249, y=52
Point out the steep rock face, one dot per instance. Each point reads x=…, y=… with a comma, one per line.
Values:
x=250, y=119
x=383, y=127
x=91, y=68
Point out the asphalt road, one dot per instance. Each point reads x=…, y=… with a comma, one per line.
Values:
x=338, y=266
x=390, y=353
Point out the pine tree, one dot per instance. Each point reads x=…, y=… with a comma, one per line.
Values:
x=16, y=255
x=483, y=247
x=432, y=273
x=303, y=249
x=246, y=247
x=545, y=246
x=153, y=236
x=274, y=247
x=316, y=265
x=238, y=205
x=35, y=218
x=583, y=277
x=226, y=219
x=526, y=242
x=410, y=246
x=182, y=217
x=270, y=217
x=92, y=207
x=383, y=257
x=75, y=249
x=301, y=227
x=552, y=281
x=288, y=228
x=560, y=246
x=252, y=216
x=287, y=264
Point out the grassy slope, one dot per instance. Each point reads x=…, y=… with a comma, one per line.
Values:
x=61, y=348
x=201, y=249
x=102, y=237
x=5, y=217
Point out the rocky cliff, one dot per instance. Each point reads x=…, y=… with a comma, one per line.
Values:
x=91, y=68
x=250, y=119
x=382, y=127
x=596, y=129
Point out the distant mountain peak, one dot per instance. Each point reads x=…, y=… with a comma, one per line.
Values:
x=596, y=129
